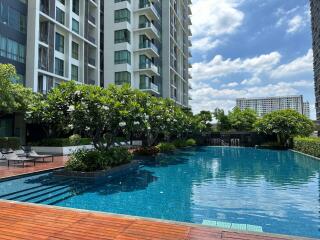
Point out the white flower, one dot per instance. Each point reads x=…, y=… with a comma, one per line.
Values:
x=87, y=129
x=122, y=124
x=71, y=108
x=136, y=123
x=70, y=126
x=105, y=108
x=149, y=128
x=77, y=93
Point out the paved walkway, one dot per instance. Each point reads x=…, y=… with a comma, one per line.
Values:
x=16, y=170
x=30, y=222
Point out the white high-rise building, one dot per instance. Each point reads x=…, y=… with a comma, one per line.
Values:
x=263, y=106
x=63, y=43
x=146, y=44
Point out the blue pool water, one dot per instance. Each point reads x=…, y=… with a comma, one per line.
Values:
x=278, y=190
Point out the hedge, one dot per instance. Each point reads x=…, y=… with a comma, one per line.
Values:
x=309, y=146
x=62, y=142
x=10, y=142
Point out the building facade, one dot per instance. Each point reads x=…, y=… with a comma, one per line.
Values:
x=63, y=43
x=13, y=38
x=146, y=45
x=315, y=16
x=263, y=106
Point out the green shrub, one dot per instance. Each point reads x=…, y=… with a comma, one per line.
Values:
x=10, y=142
x=147, y=151
x=191, y=142
x=306, y=145
x=75, y=139
x=180, y=143
x=166, y=147
x=63, y=142
x=94, y=160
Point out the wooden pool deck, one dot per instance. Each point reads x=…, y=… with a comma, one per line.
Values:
x=30, y=222
x=17, y=170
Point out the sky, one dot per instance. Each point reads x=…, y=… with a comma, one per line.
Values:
x=250, y=48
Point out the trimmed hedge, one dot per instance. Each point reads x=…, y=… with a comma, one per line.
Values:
x=309, y=146
x=62, y=142
x=10, y=142
x=166, y=147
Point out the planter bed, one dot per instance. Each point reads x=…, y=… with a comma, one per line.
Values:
x=99, y=175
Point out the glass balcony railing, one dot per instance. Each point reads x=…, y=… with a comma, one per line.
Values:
x=149, y=45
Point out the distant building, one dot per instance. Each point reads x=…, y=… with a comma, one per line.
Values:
x=315, y=17
x=263, y=106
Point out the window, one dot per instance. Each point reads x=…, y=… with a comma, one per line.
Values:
x=12, y=50
x=121, y=57
x=62, y=1
x=116, y=1
x=122, y=15
x=12, y=18
x=75, y=25
x=59, y=67
x=121, y=36
x=74, y=73
x=75, y=50
x=59, y=42
x=122, y=78
x=60, y=15
x=75, y=6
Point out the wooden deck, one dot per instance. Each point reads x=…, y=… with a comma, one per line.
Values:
x=16, y=170
x=30, y=222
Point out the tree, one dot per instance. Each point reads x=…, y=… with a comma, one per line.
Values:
x=285, y=124
x=223, y=123
x=242, y=120
x=14, y=98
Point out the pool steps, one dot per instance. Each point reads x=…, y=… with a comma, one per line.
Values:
x=50, y=194
x=233, y=226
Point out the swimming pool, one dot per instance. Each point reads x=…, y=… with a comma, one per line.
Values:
x=277, y=190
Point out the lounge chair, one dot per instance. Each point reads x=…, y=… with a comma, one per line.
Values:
x=34, y=154
x=13, y=157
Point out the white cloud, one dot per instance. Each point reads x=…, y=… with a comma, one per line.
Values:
x=205, y=44
x=295, y=24
x=220, y=67
x=231, y=84
x=251, y=81
x=215, y=17
x=300, y=65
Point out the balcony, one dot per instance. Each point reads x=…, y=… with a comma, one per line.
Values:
x=148, y=86
x=92, y=39
x=148, y=48
x=149, y=69
x=148, y=10
x=92, y=61
x=92, y=19
x=149, y=29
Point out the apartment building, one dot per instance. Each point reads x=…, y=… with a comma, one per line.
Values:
x=315, y=17
x=146, y=45
x=263, y=106
x=13, y=38
x=63, y=43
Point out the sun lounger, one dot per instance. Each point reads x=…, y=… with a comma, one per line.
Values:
x=13, y=157
x=34, y=154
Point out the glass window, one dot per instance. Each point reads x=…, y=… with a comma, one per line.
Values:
x=121, y=57
x=75, y=6
x=75, y=50
x=60, y=15
x=74, y=73
x=75, y=25
x=59, y=42
x=59, y=67
x=122, y=78
x=122, y=15
x=121, y=36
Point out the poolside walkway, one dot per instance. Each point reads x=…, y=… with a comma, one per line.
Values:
x=16, y=170
x=29, y=222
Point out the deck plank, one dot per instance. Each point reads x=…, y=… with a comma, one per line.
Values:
x=29, y=222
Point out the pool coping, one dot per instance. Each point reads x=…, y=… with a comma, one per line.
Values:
x=308, y=155
x=131, y=217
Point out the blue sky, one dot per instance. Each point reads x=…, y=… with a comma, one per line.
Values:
x=250, y=48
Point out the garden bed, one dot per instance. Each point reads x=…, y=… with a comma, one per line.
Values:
x=61, y=151
x=98, y=175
